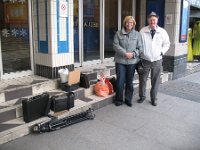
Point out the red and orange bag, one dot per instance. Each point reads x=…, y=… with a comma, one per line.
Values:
x=103, y=87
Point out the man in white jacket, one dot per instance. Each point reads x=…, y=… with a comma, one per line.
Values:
x=155, y=44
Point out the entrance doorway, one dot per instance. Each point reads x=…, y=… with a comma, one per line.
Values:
x=91, y=30
x=14, y=39
x=157, y=6
x=87, y=36
x=95, y=24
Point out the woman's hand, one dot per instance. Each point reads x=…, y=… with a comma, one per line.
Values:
x=130, y=55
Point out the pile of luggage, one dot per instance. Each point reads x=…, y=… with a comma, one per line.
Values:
x=41, y=105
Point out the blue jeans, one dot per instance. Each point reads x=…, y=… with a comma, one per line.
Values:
x=125, y=75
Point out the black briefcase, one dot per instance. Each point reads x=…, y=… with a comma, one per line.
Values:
x=84, y=80
x=62, y=102
x=35, y=107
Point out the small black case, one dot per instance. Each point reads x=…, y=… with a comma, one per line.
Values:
x=84, y=81
x=62, y=102
x=35, y=107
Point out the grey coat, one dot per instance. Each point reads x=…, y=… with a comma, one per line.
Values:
x=127, y=42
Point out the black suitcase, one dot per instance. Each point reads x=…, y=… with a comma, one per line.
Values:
x=84, y=81
x=62, y=102
x=35, y=107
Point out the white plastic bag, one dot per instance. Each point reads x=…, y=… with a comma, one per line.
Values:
x=63, y=75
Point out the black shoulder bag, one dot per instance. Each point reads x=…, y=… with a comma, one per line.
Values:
x=140, y=67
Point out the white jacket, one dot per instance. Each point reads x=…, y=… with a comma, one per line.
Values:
x=156, y=47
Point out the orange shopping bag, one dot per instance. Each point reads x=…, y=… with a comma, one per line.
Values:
x=101, y=88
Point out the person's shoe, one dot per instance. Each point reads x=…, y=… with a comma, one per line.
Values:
x=154, y=103
x=128, y=104
x=141, y=100
x=118, y=103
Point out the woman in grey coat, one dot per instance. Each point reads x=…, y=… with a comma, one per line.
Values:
x=128, y=46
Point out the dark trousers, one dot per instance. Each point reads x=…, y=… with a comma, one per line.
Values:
x=125, y=74
x=155, y=68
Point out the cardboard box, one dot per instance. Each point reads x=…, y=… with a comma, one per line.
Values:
x=74, y=77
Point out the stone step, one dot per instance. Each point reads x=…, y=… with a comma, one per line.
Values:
x=21, y=87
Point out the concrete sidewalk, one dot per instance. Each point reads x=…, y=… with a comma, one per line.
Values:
x=173, y=125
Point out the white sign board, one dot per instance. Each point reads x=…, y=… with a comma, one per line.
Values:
x=63, y=9
x=168, y=19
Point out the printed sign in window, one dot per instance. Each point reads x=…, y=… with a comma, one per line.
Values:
x=184, y=21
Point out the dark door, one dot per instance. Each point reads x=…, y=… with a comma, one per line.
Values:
x=157, y=6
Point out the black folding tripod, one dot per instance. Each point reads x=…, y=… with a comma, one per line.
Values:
x=55, y=124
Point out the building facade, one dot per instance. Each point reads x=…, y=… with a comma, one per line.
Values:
x=41, y=36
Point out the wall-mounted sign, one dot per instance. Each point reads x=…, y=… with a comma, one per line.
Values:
x=168, y=19
x=63, y=9
x=184, y=21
